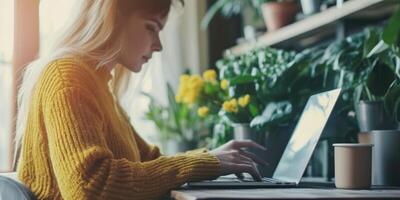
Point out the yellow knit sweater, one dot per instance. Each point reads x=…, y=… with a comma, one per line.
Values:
x=79, y=143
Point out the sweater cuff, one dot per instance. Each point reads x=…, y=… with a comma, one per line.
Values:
x=197, y=151
x=207, y=167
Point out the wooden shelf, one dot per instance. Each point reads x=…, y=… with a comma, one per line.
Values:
x=321, y=23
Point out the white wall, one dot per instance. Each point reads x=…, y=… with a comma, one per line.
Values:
x=6, y=50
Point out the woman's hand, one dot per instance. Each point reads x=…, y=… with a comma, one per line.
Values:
x=234, y=159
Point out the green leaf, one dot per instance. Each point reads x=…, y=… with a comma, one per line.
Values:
x=242, y=89
x=271, y=112
x=212, y=12
x=380, y=79
x=174, y=106
x=392, y=100
x=397, y=70
x=373, y=38
x=380, y=47
x=253, y=109
x=241, y=79
x=210, y=88
x=392, y=30
x=357, y=94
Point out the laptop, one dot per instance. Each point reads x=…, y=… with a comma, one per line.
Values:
x=297, y=153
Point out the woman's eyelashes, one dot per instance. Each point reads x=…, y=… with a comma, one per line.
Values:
x=152, y=28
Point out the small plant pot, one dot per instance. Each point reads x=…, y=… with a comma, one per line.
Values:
x=371, y=116
x=172, y=147
x=310, y=7
x=364, y=138
x=245, y=132
x=279, y=14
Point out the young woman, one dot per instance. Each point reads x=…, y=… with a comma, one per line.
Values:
x=77, y=142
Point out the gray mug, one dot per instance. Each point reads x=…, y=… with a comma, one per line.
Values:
x=386, y=157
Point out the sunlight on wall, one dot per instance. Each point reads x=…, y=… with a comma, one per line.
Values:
x=6, y=50
x=5, y=109
x=53, y=16
x=6, y=27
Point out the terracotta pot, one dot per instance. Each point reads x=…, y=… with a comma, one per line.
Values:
x=364, y=138
x=279, y=14
x=245, y=132
x=353, y=163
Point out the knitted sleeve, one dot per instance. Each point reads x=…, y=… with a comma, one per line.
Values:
x=147, y=151
x=85, y=168
x=150, y=152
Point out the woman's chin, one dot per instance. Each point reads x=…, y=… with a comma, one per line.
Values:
x=138, y=68
x=135, y=68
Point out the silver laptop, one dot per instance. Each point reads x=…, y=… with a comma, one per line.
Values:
x=298, y=151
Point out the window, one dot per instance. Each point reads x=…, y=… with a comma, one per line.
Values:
x=6, y=50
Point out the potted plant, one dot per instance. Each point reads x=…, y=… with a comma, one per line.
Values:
x=381, y=111
x=214, y=100
x=206, y=94
x=232, y=96
x=256, y=74
x=180, y=127
x=385, y=142
x=279, y=13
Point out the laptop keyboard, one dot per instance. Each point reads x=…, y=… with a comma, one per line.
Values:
x=230, y=179
x=265, y=180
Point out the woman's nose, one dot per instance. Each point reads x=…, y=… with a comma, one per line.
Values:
x=157, y=45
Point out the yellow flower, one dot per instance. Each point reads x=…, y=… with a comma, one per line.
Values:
x=203, y=111
x=231, y=106
x=224, y=84
x=196, y=82
x=190, y=97
x=244, y=100
x=184, y=78
x=179, y=98
x=210, y=75
x=189, y=89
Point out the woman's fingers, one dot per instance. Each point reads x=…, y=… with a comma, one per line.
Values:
x=239, y=175
x=254, y=157
x=241, y=159
x=248, y=168
x=236, y=162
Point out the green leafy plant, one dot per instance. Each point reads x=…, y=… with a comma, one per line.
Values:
x=389, y=52
x=379, y=79
x=176, y=121
x=283, y=80
x=204, y=93
x=259, y=74
x=229, y=8
x=211, y=96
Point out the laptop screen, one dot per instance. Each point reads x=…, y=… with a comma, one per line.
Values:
x=305, y=137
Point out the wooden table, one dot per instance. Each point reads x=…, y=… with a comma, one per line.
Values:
x=291, y=193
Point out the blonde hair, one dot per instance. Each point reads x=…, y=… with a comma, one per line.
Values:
x=93, y=34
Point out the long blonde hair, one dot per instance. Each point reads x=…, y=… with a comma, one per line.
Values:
x=92, y=33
